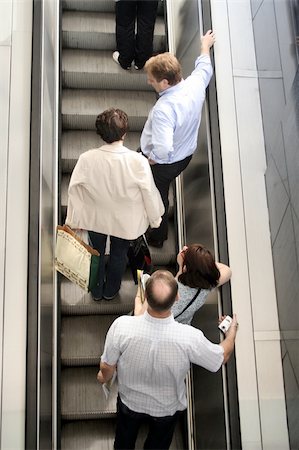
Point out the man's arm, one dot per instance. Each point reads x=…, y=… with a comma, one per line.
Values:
x=111, y=353
x=207, y=41
x=228, y=343
x=105, y=373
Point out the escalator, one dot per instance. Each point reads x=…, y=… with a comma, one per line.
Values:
x=92, y=82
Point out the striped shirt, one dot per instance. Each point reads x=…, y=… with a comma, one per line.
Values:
x=153, y=357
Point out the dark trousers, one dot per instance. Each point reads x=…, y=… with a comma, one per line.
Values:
x=137, y=47
x=128, y=422
x=163, y=175
x=109, y=277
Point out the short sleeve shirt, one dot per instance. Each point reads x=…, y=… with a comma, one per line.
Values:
x=153, y=357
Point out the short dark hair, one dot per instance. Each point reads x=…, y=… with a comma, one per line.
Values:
x=164, y=66
x=199, y=268
x=112, y=125
x=164, y=281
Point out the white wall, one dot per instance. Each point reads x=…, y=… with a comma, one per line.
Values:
x=258, y=354
x=15, y=79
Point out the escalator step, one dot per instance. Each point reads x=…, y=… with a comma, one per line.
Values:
x=88, y=435
x=83, y=338
x=81, y=106
x=89, y=5
x=75, y=142
x=99, y=435
x=96, y=6
x=95, y=69
x=75, y=301
x=82, y=397
x=93, y=31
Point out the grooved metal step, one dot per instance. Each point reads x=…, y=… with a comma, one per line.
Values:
x=88, y=435
x=82, y=397
x=99, y=435
x=75, y=142
x=83, y=338
x=89, y=5
x=95, y=69
x=81, y=106
x=75, y=301
x=97, y=6
x=94, y=31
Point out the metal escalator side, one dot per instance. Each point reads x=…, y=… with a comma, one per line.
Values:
x=214, y=413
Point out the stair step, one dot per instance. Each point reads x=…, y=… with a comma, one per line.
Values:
x=88, y=435
x=96, y=31
x=80, y=107
x=82, y=397
x=89, y=5
x=99, y=434
x=74, y=142
x=75, y=301
x=95, y=69
x=97, y=5
x=83, y=338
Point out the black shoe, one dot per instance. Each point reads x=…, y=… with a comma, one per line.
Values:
x=96, y=299
x=110, y=298
x=153, y=243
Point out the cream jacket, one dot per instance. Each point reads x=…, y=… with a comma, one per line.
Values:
x=112, y=191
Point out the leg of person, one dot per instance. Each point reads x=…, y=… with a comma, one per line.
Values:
x=160, y=432
x=163, y=175
x=127, y=426
x=125, y=13
x=146, y=18
x=98, y=242
x=162, y=178
x=116, y=266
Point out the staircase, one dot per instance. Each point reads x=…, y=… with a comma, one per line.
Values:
x=91, y=83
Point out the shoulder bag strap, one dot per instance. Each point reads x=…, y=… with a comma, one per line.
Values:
x=191, y=301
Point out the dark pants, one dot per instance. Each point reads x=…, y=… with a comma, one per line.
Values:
x=109, y=279
x=163, y=175
x=140, y=47
x=128, y=422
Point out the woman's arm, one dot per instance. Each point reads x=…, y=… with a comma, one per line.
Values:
x=180, y=261
x=225, y=273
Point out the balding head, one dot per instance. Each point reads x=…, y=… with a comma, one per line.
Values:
x=161, y=290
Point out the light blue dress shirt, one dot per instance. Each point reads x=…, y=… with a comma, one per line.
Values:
x=171, y=130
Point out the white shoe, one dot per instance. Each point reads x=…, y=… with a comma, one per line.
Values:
x=115, y=56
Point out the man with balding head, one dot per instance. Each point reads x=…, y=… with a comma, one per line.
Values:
x=153, y=353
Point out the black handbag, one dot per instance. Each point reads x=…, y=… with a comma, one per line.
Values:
x=139, y=256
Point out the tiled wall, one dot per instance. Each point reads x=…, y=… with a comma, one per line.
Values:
x=274, y=25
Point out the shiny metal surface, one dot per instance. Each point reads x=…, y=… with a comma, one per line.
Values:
x=41, y=372
x=210, y=417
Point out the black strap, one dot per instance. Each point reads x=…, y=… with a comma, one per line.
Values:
x=191, y=301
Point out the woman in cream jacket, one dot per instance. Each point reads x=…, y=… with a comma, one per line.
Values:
x=112, y=192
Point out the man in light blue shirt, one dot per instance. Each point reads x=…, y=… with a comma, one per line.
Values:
x=169, y=137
